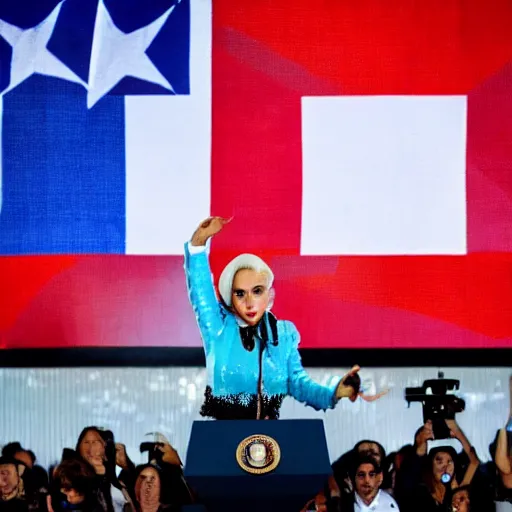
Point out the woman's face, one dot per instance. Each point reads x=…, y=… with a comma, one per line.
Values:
x=442, y=463
x=147, y=487
x=250, y=296
x=92, y=449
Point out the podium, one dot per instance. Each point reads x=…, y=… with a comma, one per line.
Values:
x=213, y=472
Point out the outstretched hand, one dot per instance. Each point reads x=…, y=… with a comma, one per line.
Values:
x=372, y=398
x=208, y=228
x=121, y=456
x=350, y=387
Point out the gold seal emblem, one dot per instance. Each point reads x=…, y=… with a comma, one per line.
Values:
x=258, y=454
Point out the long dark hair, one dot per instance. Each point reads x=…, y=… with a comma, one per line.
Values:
x=428, y=471
x=110, y=452
x=174, y=491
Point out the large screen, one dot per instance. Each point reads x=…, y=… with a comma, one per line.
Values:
x=362, y=149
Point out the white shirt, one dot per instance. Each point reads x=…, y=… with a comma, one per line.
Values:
x=118, y=499
x=503, y=506
x=382, y=502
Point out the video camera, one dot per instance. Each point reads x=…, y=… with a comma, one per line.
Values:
x=153, y=452
x=440, y=402
x=152, y=447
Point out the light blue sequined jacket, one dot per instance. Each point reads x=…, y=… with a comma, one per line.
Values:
x=232, y=370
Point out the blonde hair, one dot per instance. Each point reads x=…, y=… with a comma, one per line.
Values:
x=241, y=262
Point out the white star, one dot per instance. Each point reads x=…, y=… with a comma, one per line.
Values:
x=116, y=55
x=29, y=52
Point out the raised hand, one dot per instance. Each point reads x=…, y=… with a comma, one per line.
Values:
x=424, y=435
x=454, y=427
x=169, y=454
x=121, y=456
x=208, y=228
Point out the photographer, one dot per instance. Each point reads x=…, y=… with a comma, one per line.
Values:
x=98, y=449
x=433, y=491
x=160, y=484
x=426, y=480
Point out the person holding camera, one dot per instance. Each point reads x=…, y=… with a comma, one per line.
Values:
x=97, y=448
x=160, y=484
x=161, y=487
x=252, y=358
x=426, y=481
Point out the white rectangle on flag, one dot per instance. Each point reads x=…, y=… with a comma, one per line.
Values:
x=384, y=175
x=168, y=148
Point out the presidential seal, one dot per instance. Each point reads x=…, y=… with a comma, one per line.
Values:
x=258, y=454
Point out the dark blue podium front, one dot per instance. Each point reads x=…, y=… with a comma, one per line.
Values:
x=213, y=472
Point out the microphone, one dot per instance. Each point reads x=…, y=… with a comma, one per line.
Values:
x=446, y=478
x=264, y=332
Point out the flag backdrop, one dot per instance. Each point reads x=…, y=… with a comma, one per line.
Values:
x=363, y=148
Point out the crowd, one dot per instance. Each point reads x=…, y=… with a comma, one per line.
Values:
x=98, y=476
x=423, y=476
